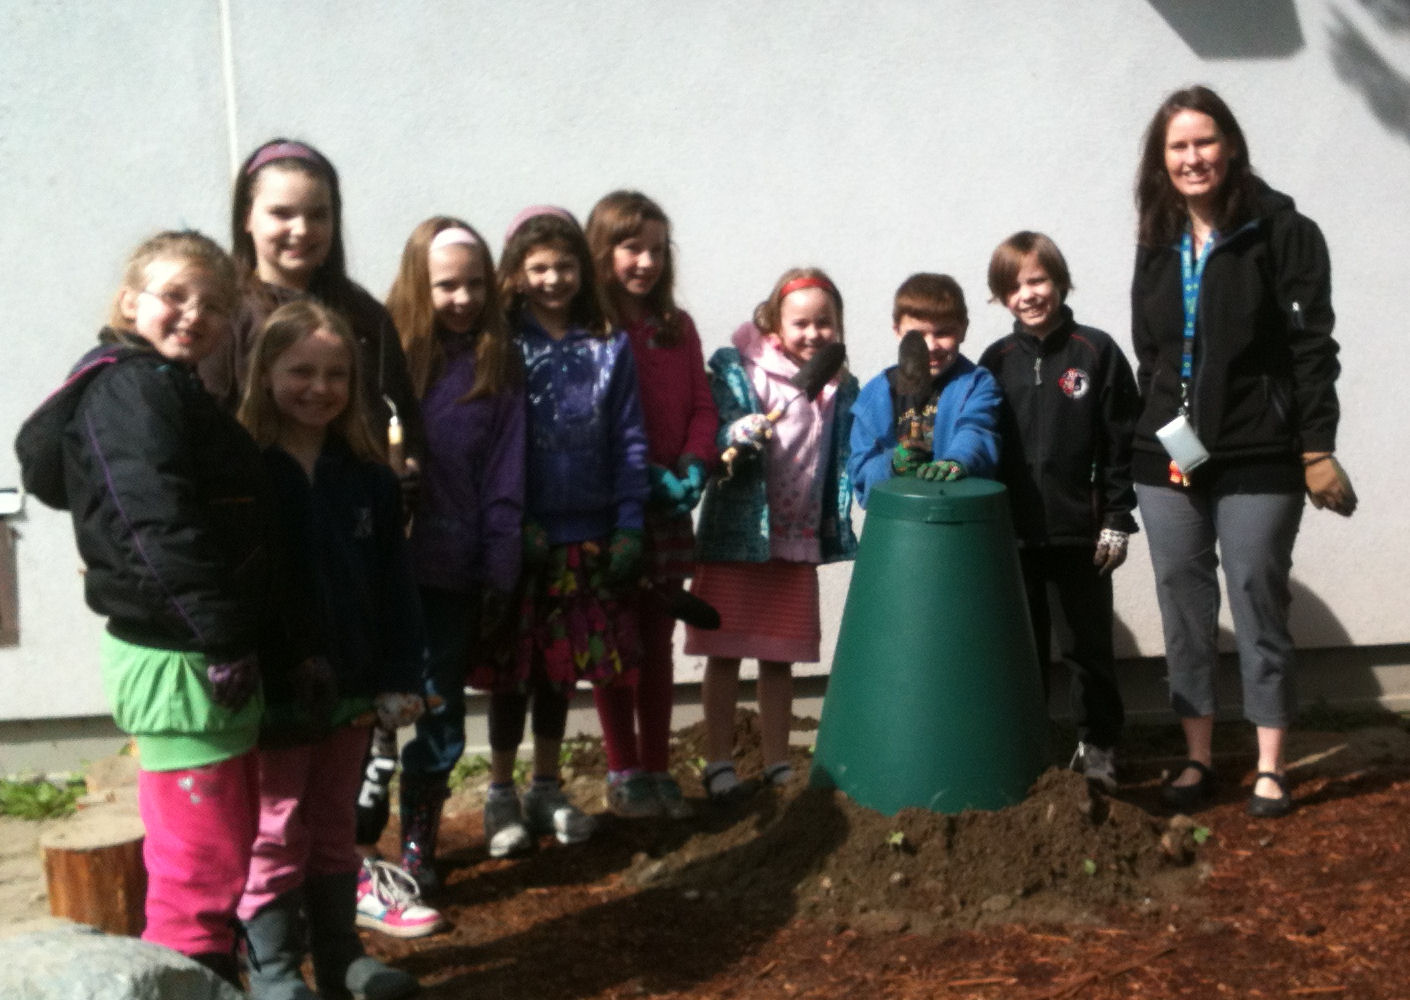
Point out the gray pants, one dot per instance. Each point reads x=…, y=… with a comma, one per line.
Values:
x=1255, y=534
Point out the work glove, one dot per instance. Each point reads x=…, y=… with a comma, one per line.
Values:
x=906, y=459
x=945, y=470
x=397, y=708
x=1328, y=485
x=535, y=547
x=1111, y=550
x=623, y=557
x=667, y=491
x=233, y=682
x=750, y=431
x=691, y=472
x=316, y=688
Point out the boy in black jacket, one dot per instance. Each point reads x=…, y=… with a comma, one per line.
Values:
x=1069, y=405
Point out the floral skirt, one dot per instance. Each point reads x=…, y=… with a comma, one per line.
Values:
x=570, y=626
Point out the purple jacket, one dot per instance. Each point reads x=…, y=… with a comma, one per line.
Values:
x=587, y=441
x=466, y=530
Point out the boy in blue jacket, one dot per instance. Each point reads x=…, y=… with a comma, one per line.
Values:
x=949, y=430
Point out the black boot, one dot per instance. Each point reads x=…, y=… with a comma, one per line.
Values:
x=274, y=945
x=340, y=967
x=422, y=798
x=223, y=964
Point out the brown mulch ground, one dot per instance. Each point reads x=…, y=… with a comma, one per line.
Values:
x=801, y=893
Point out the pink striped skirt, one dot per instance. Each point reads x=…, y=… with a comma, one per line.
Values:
x=768, y=611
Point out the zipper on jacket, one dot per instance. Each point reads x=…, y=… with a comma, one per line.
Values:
x=1297, y=316
x=1038, y=370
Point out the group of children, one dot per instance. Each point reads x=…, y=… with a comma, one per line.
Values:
x=323, y=524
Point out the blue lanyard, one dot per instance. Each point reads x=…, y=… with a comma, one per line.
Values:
x=1191, y=275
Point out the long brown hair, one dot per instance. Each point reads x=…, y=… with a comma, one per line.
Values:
x=1162, y=211
x=497, y=362
x=552, y=230
x=620, y=216
x=284, y=328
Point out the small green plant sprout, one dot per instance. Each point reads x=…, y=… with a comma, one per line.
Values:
x=1201, y=834
x=1089, y=866
x=698, y=763
x=467, y=768
x=40, y=798
x=812, y=749
x=896, y=840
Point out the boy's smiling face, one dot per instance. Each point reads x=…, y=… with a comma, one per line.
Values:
x=943, y=339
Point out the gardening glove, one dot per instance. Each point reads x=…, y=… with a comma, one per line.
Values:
x=623, y=557
x=691, y=472
x=906, y=459
x=750, y=431
x=316, y=688
x=945, y=470
x=1111, y=550
x=396, y=709
x=1328, y=485
x=666, y=490
x=233, y=682
x=494, y=611
x=535, y=547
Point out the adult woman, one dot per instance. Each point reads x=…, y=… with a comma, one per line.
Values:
x=1232, y=328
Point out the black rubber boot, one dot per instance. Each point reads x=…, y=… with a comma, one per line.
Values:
x=341, y=969
x=274, y=950
x=223, y=964
x=422, y=798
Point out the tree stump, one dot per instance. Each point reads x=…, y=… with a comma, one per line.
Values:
x=94, y=870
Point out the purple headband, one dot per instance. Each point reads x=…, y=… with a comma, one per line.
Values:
x=533, y=212
x=283, y=151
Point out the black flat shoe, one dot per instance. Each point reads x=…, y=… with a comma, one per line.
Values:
x=1270, y=808
x=1186, y=797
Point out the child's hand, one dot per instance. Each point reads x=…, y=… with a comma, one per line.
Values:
x=666, y=489
x=316, y=688
x=691, y=472
x=906, y=460
x=623, y=557
x=1328, y=486
x=750, y=431
x=1111, y=550
x=945, y=470
x=396, y=709
x=233, y=683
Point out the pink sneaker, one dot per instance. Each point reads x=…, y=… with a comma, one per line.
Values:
x=388, y=901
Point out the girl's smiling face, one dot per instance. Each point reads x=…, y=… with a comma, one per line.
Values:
x=291, y=224
x=459, y=286
x=311, y=381
x=549, y=280
x=637, y=261
x=807, y=320
x=180, y=310
x=1035, y=302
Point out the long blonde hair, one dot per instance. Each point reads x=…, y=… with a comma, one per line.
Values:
x=497, y=360
x=285, y=327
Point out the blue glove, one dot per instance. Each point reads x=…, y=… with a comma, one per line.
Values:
x=692, y=476
x=666, y=489
x=233, y=683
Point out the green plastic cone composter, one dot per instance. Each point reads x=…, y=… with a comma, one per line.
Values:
x=935, y=699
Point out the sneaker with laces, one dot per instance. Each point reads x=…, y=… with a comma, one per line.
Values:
x=505, y=832
x=547, y=810
x=672, y=799
x=633, y=797
x=1096, y=764
x=388, y=901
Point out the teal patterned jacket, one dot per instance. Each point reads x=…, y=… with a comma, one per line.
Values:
x=734, y=514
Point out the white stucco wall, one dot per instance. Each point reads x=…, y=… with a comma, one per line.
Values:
x=874, y=140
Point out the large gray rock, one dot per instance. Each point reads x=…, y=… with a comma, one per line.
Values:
x=75, y=962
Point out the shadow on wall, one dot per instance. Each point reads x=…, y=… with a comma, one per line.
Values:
x=1249, y=29
x=1360, y=65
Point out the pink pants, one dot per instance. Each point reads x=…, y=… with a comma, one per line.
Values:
x=307, y=815
x=644, y=708
x=200, y=825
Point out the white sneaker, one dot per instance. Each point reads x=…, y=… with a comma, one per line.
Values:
x=389, y=901
x=547, y=810
x=505, y=832
x=1096, y=764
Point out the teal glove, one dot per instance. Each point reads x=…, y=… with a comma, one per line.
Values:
x=666, y=489
x=691, y=472
x=945, y=470
x=907, y=460
x=623, y=557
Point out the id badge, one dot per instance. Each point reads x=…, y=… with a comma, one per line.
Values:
x=1183, y=444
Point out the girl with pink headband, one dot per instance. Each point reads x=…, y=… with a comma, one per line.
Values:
x=766, y=526
x=468, y=378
